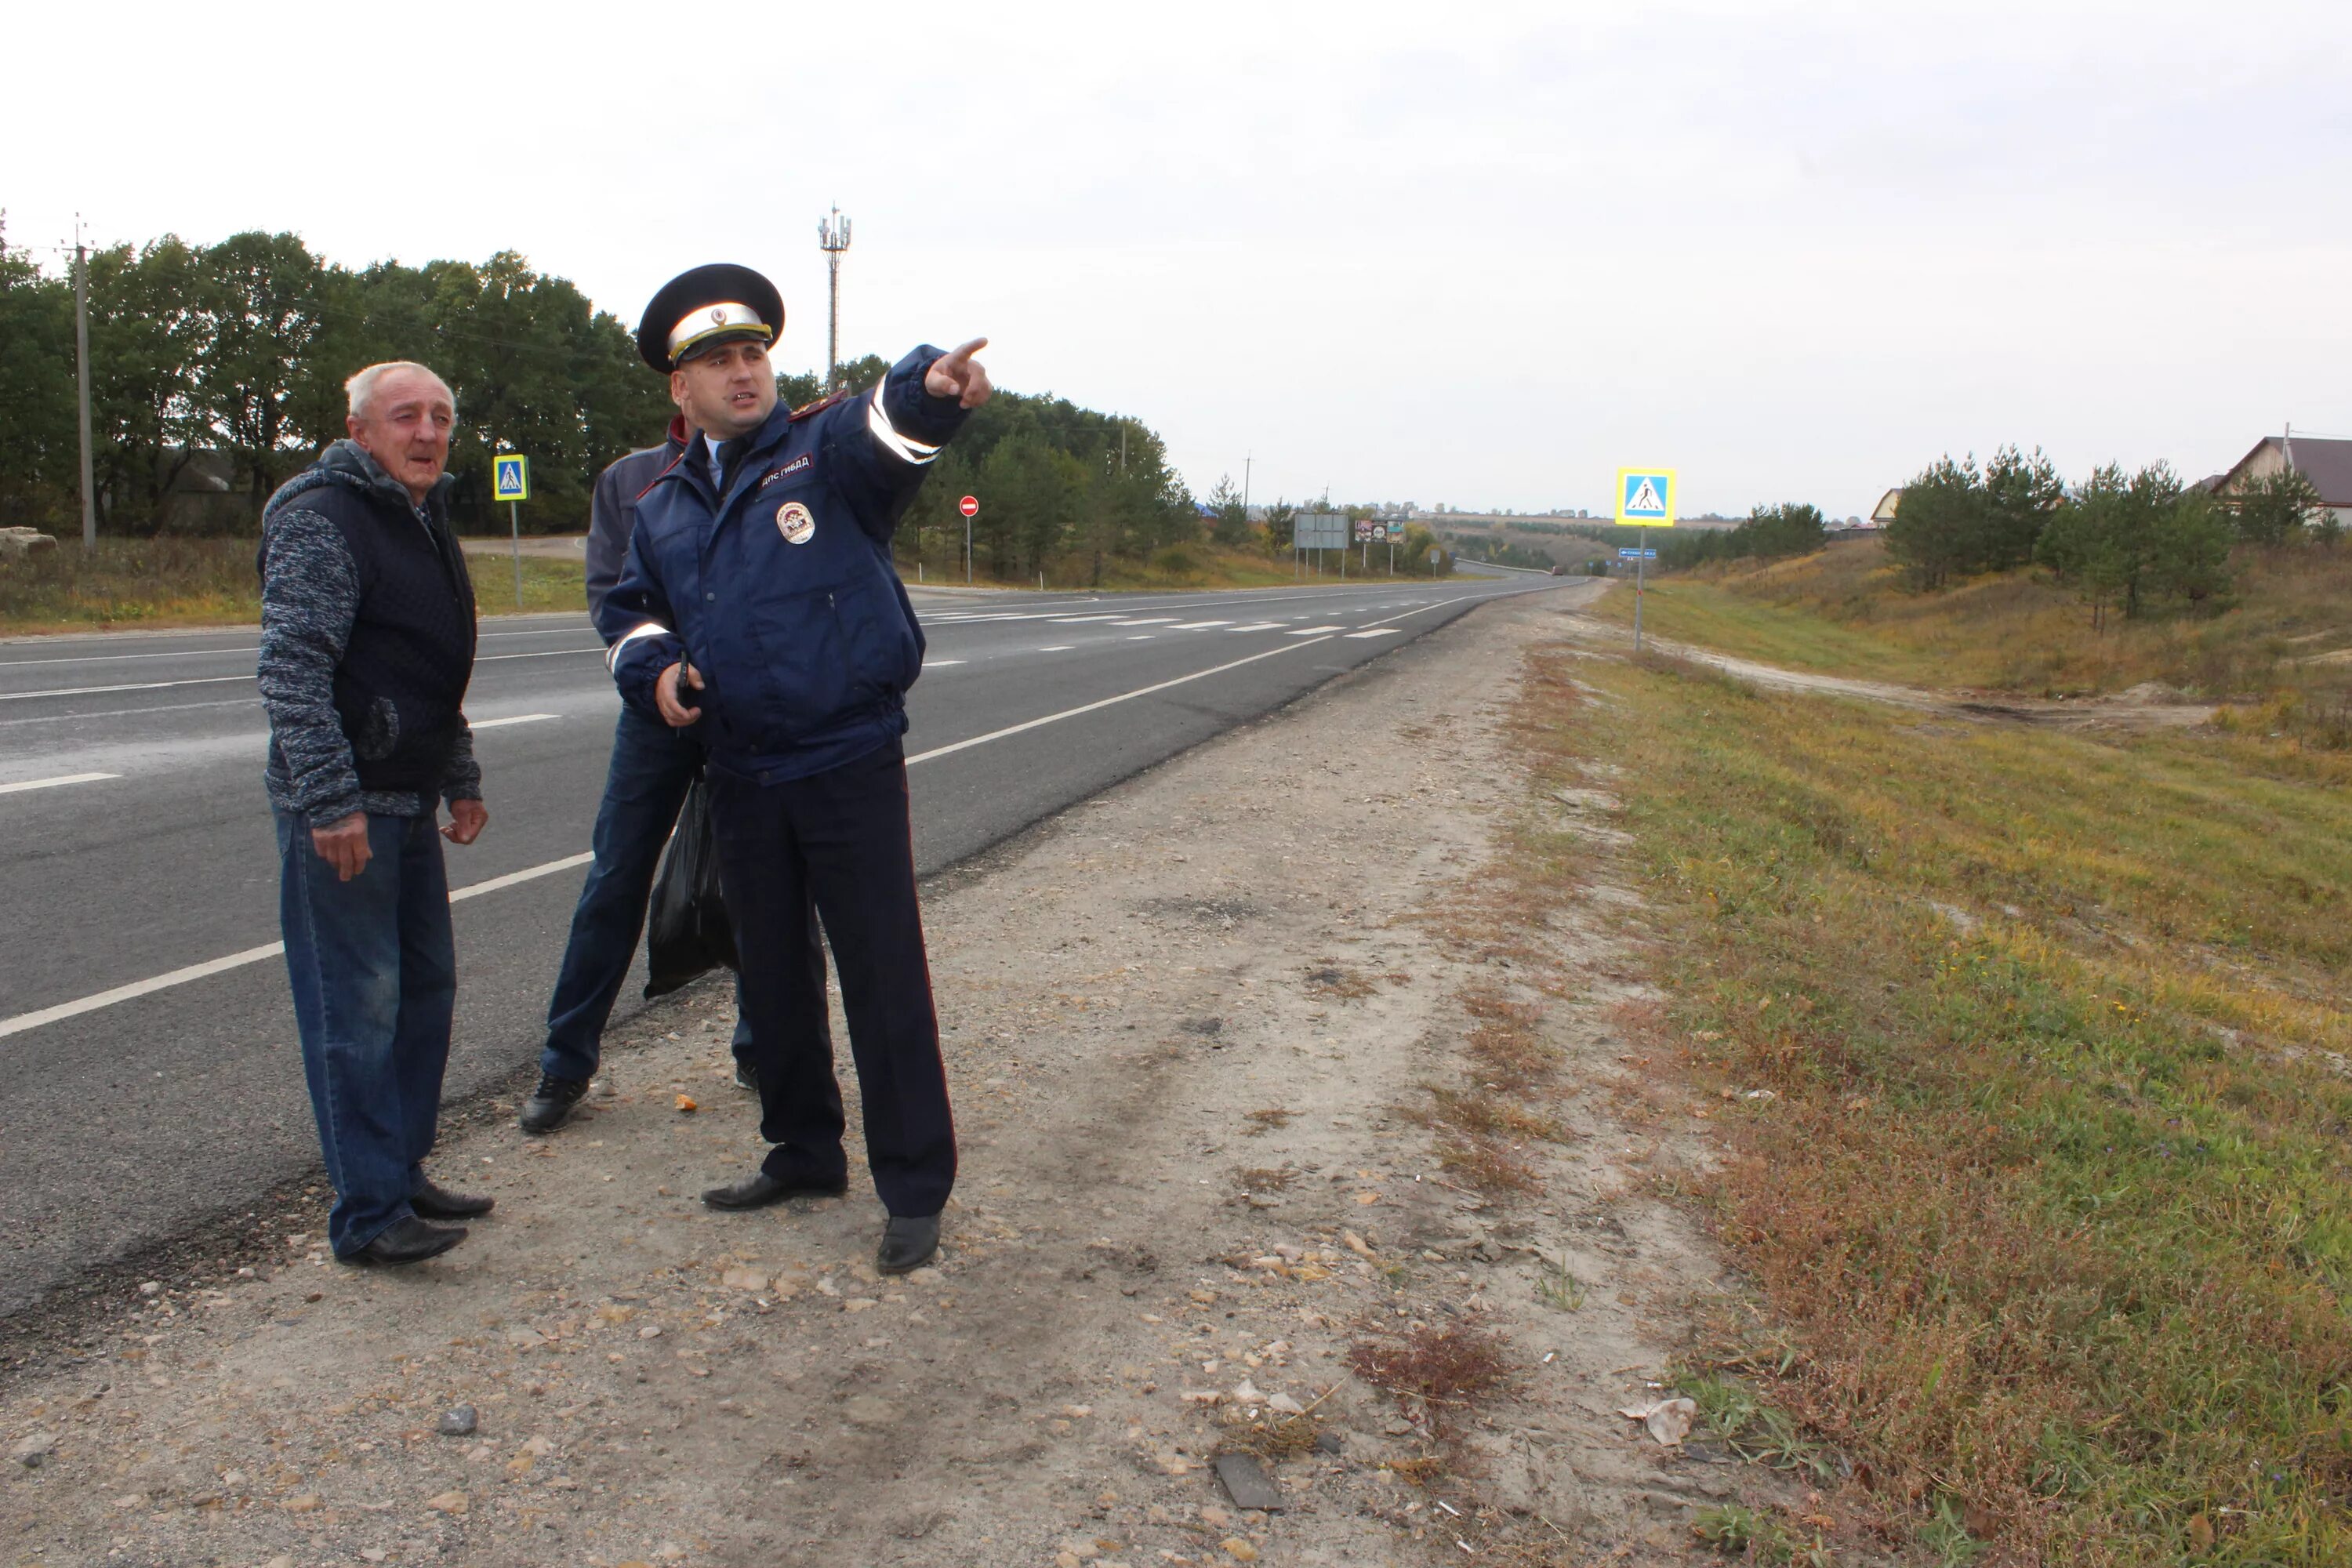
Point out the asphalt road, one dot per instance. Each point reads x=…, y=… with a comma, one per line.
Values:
x=146, y=1034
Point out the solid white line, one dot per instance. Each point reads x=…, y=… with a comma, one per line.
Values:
x=24, y=1021
x=1091, y=707
x=1081, y=620
x=529, y=874
x=138, y=988
x=52, y=783
x=478, y=726
x=1153, y=621
x=135, y=686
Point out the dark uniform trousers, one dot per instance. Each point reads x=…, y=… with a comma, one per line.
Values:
x=839, y=839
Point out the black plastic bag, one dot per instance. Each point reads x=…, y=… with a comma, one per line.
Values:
x=687, y=934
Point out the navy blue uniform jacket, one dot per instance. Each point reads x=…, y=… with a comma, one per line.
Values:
x=780, y=592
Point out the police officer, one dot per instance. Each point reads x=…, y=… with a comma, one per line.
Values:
x=768, y=618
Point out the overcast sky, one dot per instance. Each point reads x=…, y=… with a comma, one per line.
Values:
x=1483, y=254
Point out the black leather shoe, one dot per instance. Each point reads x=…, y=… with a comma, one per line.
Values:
x=760, y=1189
x=907, y=1243
x=552, y=1103
x=406, y=1240
x=434, y=1201
x=746, y=1076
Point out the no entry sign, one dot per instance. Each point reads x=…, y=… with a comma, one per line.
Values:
x=969, y=506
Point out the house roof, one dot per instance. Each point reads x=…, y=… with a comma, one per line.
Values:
x=1887, y=504
x=2327, y=463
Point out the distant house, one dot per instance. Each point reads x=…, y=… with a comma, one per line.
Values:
x=2328, y=464
x=1884, y=512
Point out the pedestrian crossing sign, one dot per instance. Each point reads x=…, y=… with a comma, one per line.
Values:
x=1645, y=498
x=510, y=477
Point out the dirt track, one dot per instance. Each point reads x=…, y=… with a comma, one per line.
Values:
x=1184, y=1021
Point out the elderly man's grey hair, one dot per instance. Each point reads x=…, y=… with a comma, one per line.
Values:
x=360, y=388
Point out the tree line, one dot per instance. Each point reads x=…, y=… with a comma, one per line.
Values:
x=2128, y=543
x=230, y=360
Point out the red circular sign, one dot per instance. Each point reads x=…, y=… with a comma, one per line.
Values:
x=969, y=506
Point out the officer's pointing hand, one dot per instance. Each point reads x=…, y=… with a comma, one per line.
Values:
x=961, y=376
x=674, y=712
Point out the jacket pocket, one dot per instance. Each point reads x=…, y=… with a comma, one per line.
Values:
x=802, y=671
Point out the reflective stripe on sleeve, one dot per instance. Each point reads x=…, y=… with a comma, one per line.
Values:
x=904, y=447
x=650, y=629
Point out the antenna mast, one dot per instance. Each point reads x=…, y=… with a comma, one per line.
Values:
x=833, y=238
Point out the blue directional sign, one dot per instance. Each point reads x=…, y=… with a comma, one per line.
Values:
x=509, y=477
x=1628, y=553
x=1645, y=497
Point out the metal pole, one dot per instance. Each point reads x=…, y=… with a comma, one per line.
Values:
x=1640, y=560
x=967, y=551
x=514, y=521
x=833, y=238
x=81, y=372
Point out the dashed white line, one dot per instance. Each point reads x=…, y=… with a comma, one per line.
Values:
x=1058, y=648
x=480, y=724
x=1377, y=632
x=133, y=686
x=1260, y=626
x=941, y=663
x=1197, y=626
x=1150, y=621
x=1313, y=631
x=52, y=783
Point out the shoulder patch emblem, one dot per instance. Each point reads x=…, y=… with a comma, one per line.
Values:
x=795, y=522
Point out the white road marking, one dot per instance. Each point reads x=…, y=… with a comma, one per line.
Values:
x=1143, y=638
x=1260, y=626
x=479, y=725
x=133, y=685
x=194, y=972
x=1377, y=632
x=1058, y=648
x=1198, y=626
x=1081, y=620
x=1092, y=707
x=941, y=663
x=1313, y=631
x=1152, y=621
x=52, y=783
x=137, y=988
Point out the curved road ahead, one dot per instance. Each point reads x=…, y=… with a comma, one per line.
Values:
x=145, y=1030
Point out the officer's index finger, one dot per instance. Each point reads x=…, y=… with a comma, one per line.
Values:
x=968, y=350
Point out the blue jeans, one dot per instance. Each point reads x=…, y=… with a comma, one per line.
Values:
x=374, y=973
x=652, y=767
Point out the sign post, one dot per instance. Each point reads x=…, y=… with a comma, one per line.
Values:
x=969, y=507
x=511, y=483
x=1645, y=499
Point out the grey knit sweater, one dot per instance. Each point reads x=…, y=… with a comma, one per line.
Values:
x=309, y=597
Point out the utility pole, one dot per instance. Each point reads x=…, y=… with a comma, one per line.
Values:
x=81, y=372
x=833, y=238
x=1247, y=458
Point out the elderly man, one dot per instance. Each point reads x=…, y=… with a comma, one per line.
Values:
x=367, y=643
x=768, y=619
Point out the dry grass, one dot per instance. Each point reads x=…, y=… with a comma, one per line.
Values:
x=1844, y=612
x=1491, y=1170
x=1339, y=982
x=1441, y=1371
x=2052, y=1193
x=1266, y=1178
x=1263, y=1121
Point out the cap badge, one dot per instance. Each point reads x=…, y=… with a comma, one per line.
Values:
x=795, y=523
x=717, y=315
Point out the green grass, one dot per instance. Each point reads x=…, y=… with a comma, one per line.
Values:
x=2054, y=1195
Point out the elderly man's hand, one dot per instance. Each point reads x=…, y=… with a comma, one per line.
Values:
x=960, y=376
x=343, y=844
x=668, y=697
x=467, y=820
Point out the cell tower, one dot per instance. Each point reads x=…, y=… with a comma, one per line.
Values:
x=833, y=238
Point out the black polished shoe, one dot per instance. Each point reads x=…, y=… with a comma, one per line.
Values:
x=434, y=1201
x=406, y=1240
x=760, y=1189
x=746, y=1076
x=552, y=1103
x=907, y=1243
